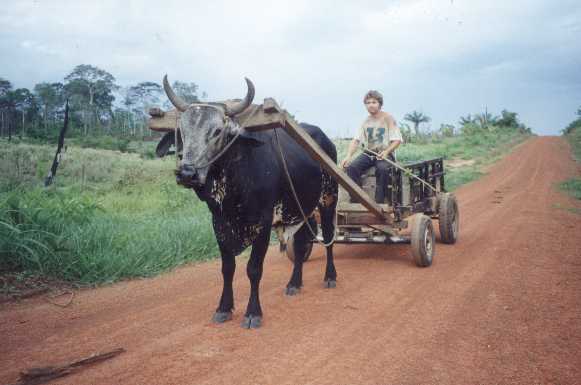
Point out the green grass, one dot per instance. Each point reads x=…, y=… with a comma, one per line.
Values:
x=108, y=216
x=484, y=148
x=113, y=215
x=573, y=186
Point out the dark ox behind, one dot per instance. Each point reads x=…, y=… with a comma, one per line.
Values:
x=241, y=178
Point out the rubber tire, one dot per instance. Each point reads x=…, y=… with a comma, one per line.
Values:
x=449, y=218
x=423, y=240
x=290, y=250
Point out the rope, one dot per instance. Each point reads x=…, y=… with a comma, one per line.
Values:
x=313, y=233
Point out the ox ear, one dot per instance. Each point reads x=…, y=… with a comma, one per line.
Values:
x=165, y=144
x=250, y=138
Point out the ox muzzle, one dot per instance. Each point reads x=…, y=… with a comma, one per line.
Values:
x=190, y=177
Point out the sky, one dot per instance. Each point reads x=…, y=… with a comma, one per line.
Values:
x=445, y=58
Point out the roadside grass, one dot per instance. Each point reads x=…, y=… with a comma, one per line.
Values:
x=109, y=215
x=114, y=215
x=573, y=186
x=484, y=148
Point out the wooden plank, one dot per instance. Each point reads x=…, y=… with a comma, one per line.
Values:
x=166, y=123
x=271, y=106
x=362, y=219
x=359, y=208
x=305, y=141
x=156, y=112
x=266, y=116
x=258, y=120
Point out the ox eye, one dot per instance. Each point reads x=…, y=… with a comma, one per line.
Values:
x=216, y=133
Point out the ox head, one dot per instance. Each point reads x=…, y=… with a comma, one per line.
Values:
x=205, y=131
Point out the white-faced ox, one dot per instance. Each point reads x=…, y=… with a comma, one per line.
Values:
x=241, y=177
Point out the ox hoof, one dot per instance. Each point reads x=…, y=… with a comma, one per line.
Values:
x=252, y=322
x=222, y=316
x=330, y=284
x=291, y=290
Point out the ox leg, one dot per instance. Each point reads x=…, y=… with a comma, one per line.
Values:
x=226, y=305
x=328, y=228
x=301, y=238
x=253, y=316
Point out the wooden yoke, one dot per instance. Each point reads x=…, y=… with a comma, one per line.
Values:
x=268, y=116
x=272, y=116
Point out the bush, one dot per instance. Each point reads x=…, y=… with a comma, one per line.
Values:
x=573, y=187
x=101, y=142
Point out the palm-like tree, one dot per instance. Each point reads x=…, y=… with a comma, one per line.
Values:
x=416, y=118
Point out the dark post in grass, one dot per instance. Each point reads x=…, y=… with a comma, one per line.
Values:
x=61, y=142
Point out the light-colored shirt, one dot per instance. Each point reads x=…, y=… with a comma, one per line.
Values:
x=376, y=134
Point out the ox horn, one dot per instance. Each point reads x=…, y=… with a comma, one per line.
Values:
x=239, y=107
x=178, y=102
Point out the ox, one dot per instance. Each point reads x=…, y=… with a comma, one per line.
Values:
x=241, y=177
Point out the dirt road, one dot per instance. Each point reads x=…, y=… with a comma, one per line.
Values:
x=503, y=306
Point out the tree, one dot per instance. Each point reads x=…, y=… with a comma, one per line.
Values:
x=91, y=92
x=5, y=86
x=508, y=119
x=416, y=118
x=464, y=120
x=447, y=129
x=405, y=132
x=51, y=97
x=485, y=119
x=18, y=109
x=25, y=107
x=5, y=89
x=187, y=91
x=143, y=96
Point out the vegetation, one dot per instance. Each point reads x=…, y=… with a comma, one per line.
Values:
x=109, y=215
x=479, y=146
x=416, y=118
x=99, y=106
x=573, y=134
x=114, y=212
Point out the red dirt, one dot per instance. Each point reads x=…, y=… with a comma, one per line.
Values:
x=501, y=306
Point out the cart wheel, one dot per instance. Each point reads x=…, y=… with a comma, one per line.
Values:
x=290, y=250
x=423, y=240
x=449, y=218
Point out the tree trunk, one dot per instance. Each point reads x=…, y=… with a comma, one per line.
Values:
x=61, y=142
x=44, y=118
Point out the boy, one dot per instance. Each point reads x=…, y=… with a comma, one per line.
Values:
x=380, y=134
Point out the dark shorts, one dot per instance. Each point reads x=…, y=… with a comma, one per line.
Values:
x=364, y=162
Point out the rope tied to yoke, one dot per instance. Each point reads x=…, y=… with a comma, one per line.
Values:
x=288, y=176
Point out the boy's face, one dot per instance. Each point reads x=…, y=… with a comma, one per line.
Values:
x=372, y=105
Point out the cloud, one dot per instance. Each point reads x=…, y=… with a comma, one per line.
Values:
x=446, y=57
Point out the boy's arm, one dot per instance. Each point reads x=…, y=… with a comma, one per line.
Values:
x=391, y=148
x=393, y=144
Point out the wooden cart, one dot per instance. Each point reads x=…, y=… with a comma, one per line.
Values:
x=416, y=194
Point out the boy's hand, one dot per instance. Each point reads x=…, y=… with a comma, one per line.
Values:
x=345, y=162
x=383, y=154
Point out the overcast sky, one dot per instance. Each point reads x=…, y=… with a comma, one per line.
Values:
x=446, y=58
